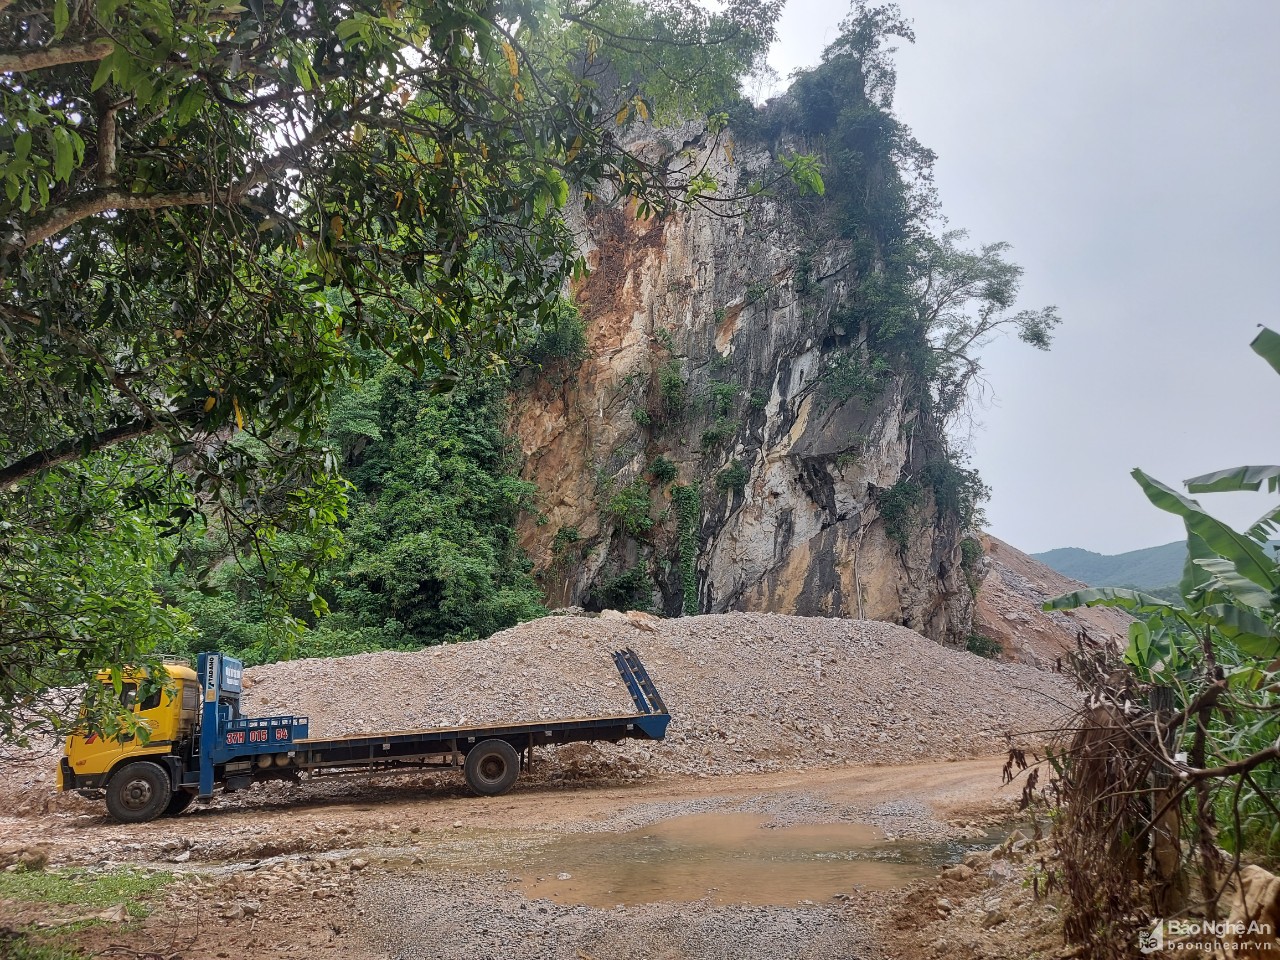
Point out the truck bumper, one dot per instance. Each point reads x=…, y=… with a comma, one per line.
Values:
x=68, y=779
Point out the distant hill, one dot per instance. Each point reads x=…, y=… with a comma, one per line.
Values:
x=1149, y=568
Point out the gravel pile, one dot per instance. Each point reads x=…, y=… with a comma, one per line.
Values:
x=746, y=691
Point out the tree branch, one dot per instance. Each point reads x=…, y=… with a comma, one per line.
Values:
x=106, y=139
x=73, y=449
x=1249, y=763
x=60, y=218
x=45, y=57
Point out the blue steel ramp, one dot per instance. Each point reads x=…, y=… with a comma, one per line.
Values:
x=654, y=715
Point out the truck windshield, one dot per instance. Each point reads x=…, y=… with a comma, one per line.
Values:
x=129, y=698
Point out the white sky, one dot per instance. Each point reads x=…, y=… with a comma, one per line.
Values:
x=1128, y=152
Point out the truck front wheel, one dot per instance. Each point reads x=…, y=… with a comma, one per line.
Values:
x=138, y=792
x=492, y=767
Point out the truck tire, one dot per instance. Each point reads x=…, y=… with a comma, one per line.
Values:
x=138, y=792
x=492, y=767
x=179, y=802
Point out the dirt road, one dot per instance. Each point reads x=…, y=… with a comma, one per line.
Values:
x=420, y=868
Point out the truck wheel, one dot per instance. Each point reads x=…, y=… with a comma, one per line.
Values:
x=179, y=802
x=138, y=792
x=492, y=767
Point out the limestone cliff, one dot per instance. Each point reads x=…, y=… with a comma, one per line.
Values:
x=712, y=345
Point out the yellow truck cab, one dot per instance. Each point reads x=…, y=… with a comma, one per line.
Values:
x=125, y=766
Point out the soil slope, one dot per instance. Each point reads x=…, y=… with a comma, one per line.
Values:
x=1009, y=609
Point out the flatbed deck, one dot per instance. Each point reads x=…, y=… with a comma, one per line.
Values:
x=239, y=747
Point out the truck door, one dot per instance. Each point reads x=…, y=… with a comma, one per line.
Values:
x=95, y=753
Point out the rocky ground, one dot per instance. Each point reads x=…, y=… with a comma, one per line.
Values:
x=1009, y=610
x=428, y=871
x=776, y=717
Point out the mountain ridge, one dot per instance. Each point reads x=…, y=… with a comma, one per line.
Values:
x=1150, y=567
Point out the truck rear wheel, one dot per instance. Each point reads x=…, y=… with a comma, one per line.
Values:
x=138, y=792
x=179, y=802
x=492, y=767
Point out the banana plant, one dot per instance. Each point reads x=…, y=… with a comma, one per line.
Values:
x=1230, y=585
x=1217, y=649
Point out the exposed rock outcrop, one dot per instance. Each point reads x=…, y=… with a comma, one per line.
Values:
x=712, y=339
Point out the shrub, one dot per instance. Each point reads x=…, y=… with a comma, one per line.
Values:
x=804, y=273
x=628, y=589
x=853, y=375
x=733, y=477
x=721, y=397
x=641, y=416
x=630, y=508
x=662, y=470
x=971, y=562
x=957, y=490
x=983, y=646
x=758, y=400
x=671, y=390
x=564, y=546
x=688, y=506
x=898, y=505
x=717, y=434
x=563, y=339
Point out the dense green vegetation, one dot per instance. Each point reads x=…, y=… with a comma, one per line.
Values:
x=428, y=553
x=688, y=507
x=389, y=183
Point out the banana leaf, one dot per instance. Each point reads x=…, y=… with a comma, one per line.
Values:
x=1194, y=575
x=1248, y=555
x=1248, y=631
x=1267, y=346
x=1236, y=478
x=1266, y=525
x=1224, y=578
x=1130, y=600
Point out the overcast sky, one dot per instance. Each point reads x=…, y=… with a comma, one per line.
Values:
x=1128, y=151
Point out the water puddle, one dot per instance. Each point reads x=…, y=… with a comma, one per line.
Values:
x=728, y=857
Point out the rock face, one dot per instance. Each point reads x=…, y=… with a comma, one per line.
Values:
x=713, y=341
x=1009, y=601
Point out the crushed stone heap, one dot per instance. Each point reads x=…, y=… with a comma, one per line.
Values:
x=746, y=691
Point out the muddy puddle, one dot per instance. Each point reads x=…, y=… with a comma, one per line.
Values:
x=729, y=858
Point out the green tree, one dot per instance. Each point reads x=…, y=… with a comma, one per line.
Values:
x=429, y=551
x=214, y=214
x=964, y=299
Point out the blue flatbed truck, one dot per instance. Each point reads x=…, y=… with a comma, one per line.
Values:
x=201, y=743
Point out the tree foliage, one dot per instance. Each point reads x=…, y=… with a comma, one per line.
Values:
x=214, y=216
x=429, y=551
